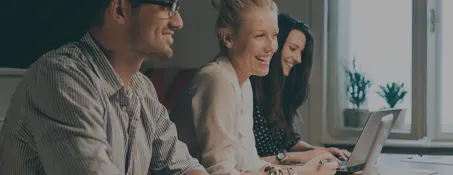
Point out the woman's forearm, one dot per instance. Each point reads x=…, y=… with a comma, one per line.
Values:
x=304, y=146
x=296, y=157
x=292, y=157
x=271, y=159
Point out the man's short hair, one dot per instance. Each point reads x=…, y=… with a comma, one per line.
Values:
x=99, y=7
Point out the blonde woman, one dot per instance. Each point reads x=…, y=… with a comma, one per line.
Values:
x=214, y=116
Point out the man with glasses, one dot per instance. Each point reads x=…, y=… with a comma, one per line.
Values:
x=85, y=109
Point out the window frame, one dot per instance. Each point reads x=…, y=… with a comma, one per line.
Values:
x=435, y=74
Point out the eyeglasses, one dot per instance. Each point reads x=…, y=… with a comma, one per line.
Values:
x=173, y=7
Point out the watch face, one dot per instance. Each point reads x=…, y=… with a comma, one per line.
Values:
x=280, y=155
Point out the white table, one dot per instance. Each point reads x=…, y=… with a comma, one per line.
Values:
x=392, y=164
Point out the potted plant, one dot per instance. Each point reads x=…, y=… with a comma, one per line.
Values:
x=357, y=86
x=394, y=93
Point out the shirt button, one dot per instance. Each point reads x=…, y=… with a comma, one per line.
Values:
x=124, y=108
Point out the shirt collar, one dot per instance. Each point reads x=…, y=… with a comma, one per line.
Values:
x=226, y=64
x=104, y=67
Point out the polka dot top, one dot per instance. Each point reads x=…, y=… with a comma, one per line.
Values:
x=269, y=141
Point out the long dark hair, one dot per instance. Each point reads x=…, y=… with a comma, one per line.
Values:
x=277, y=96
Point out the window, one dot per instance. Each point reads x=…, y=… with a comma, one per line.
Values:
x=391, y=44
x=381, y=45
x=446, y=55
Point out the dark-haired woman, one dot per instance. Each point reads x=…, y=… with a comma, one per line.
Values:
x=278, y=95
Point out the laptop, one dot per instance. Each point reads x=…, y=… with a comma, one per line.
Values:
x=361, y=153
x=382, y=135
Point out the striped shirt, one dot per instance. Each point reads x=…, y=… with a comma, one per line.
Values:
x=71, y=115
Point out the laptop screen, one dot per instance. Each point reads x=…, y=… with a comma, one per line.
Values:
x=365, y=141
x=368, y=136
x=385, y=128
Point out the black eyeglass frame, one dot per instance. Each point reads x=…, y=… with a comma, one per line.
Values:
x=173, y=7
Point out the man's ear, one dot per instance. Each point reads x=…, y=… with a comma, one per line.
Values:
x=227, y=37
x=118, y=9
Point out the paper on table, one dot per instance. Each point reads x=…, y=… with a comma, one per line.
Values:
x=442, y=160
x=402, y=171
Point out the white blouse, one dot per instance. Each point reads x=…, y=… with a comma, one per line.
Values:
x=214, y=117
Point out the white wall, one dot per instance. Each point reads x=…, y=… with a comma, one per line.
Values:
x=9, y=79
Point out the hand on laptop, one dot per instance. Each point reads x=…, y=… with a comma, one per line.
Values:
x=309, y=155
x=344, y=154
x=324, y=164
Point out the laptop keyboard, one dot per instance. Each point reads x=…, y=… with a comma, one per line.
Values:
x=343, y=162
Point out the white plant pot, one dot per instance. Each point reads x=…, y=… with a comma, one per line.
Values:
x=401, y=121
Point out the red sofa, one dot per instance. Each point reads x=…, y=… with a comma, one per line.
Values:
x=168, y=96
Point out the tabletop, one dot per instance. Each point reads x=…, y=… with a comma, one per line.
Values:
x=404, y=164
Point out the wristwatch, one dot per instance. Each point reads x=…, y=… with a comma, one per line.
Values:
x=282, y=158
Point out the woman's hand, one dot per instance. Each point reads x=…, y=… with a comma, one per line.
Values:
x=324, y=164
x=305, y=156
x=308, y=155
x=345, y=154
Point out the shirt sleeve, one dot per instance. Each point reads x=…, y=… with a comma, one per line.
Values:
x=257, y=164
x=293, y=141
x=67, y=117
x=170, y=156
x=214, y=114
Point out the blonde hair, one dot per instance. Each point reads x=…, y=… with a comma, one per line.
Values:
x=231, y=11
